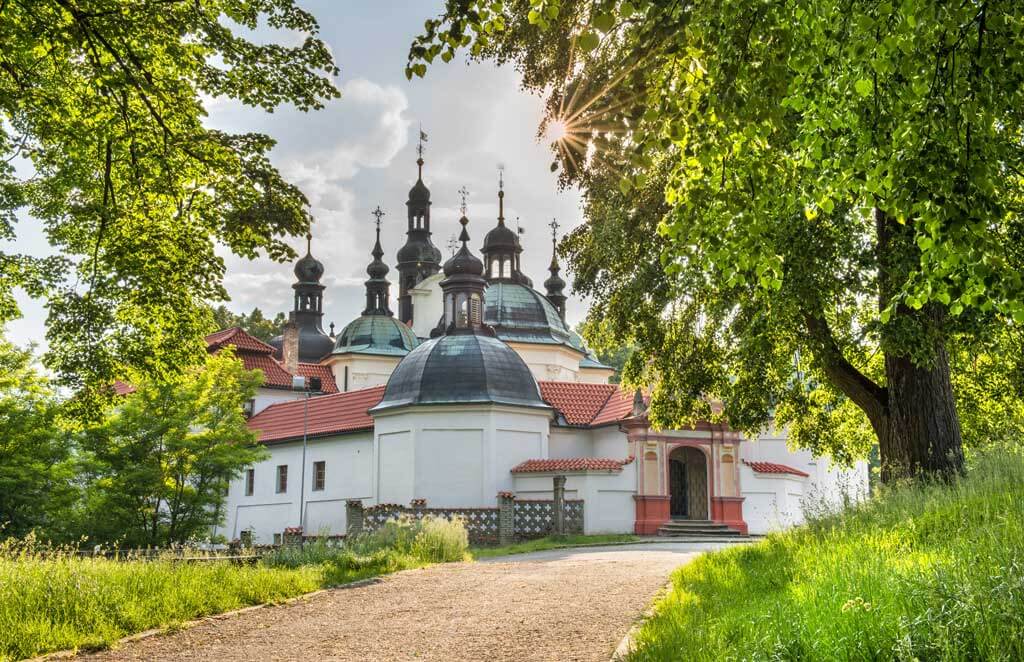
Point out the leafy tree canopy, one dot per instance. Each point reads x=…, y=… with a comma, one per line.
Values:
x=102, y=103
x=253, y=323
x=36, y=469
x=829, y=195
x=158, y=464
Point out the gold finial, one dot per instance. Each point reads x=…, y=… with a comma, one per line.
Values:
x=309, y=242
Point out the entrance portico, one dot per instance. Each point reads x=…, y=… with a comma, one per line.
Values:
x=686, y=474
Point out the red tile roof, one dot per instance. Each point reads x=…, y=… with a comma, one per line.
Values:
x=243, y=341
x=327, y=383
x=258, y=355
x=587, y=404
x=583, y=405
x=337, y=413
x=121, y=388
x=571, y=464
x=774, y=468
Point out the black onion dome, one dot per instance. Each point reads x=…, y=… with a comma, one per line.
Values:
x=419, y=251
x=309, y=269
x=554, y=283
x=377, y=269
x=464, y=262
x=500, y=239
x=419, y=192
x=461, y=369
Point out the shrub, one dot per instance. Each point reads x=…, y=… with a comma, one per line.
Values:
x=441, y=540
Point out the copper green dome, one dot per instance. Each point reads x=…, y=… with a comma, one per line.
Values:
x=464, y=368
x=375, y=334
x=521, y=314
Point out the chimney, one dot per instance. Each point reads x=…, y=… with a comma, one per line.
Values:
x=290, y=347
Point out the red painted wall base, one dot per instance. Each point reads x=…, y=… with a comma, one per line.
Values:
x=651, y=512
x=729, y=511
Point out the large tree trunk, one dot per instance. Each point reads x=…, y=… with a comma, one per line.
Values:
x=925, y=426
x=923, y=435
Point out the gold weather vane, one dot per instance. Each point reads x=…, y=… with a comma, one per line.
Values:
x=463, y=193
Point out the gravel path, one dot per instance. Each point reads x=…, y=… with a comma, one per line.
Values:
x=556, y=605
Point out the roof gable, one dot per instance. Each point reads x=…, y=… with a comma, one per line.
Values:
x=243, y=341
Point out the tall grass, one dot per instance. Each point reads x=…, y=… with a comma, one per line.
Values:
x=51, y=599
x=928, y=572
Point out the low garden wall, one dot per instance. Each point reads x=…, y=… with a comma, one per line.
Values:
x=511, y=520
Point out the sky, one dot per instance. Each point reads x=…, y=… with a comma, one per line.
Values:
x=360, y=152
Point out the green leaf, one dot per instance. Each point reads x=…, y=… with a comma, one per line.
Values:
x=863, y=87
x=604, y=22
x=588, y=41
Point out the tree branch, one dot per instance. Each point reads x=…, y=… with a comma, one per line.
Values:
x=865, y=393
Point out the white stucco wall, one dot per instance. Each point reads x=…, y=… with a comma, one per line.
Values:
x=364, y=370
x=775, y=501
x=608, y=505
x=348, y=475
x=427, y=305
x=268, y=396
x=455, y=456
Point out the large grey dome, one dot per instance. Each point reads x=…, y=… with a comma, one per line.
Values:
x=461, y=369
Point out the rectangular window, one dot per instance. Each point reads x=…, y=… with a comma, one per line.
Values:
x=249, y=407
x=250, y=481
x=319, y=475
x=277, y=538
x=282, y=478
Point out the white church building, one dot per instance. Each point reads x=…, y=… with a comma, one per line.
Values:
x=478, y=387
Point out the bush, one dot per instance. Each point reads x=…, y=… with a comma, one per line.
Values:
x=927, y=571
x=440, y=540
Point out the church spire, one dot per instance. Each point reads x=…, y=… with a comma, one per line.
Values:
x=501, y=247
x=377, y=287
x=308, y=309
x=463, y=288
x=418, y=258
x=554, y=284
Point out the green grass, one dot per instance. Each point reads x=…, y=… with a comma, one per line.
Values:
x=550, y=542
x=52, y=600
x=931, y=572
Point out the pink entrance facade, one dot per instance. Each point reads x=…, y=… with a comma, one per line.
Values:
x=686, y=474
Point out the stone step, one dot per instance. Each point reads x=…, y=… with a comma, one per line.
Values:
x=696, y=528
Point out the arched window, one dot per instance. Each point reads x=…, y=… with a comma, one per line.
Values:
x=462, y=311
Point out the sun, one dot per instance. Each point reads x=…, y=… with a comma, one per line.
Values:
x=557, y=130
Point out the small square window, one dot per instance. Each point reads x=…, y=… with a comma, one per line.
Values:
x=319, y=475
x=277, y=538
x=282, y=478
x=250, y=481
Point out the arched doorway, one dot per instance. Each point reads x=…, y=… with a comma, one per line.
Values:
x=688, y=484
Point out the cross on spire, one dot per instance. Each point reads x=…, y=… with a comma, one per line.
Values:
x=463, y=193
x=554, y=230
x=378, y=213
